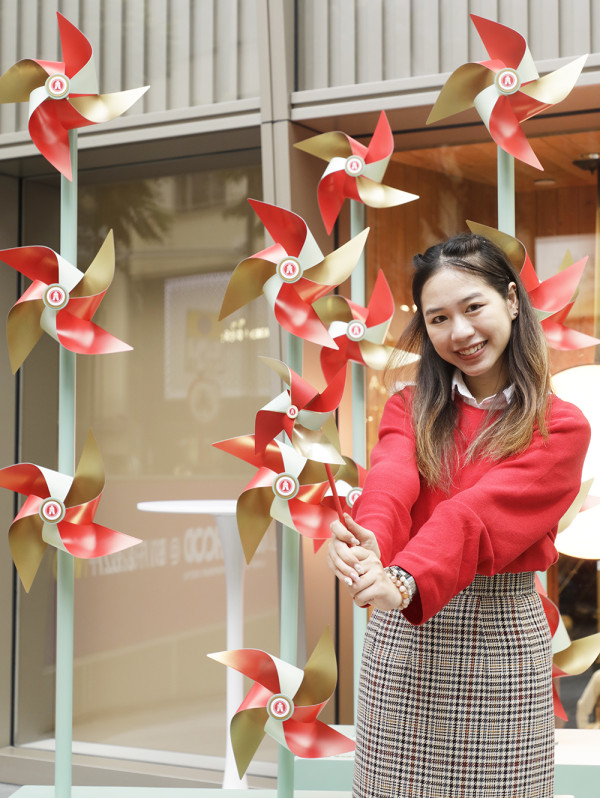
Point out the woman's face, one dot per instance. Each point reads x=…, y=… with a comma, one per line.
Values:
x=469, y=324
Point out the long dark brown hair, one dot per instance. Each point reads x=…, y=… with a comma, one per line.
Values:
x=434, y=413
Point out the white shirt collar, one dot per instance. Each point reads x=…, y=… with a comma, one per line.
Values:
x=498, y=400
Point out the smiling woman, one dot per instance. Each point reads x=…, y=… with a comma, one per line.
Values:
x=475, y=465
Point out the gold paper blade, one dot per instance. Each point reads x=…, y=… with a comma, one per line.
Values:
x=27, y=547
x=23, y=330
x=17, y=83
x=105, y=107
x=246, y=284
x=327, y=146
x=459, y=91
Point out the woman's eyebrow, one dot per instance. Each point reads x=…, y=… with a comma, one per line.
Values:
x=464, y=301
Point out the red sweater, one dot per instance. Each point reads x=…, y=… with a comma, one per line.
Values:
x=499, y=517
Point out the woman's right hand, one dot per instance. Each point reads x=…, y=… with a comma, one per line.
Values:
x=340, y=557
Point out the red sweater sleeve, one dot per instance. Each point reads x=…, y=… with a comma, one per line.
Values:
x=506, y=521
x=392, y=485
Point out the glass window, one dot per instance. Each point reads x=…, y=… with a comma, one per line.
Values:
x=147, y=617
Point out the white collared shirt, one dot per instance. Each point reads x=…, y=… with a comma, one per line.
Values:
x=498, y=400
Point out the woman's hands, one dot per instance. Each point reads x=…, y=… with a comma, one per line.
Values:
x=354, y=557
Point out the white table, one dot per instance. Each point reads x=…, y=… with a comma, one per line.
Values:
x=224, y=512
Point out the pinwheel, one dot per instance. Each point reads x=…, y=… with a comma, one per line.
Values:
x=574, y=656
x=506, y=89
x=303, y=414
x=63, y=95
x=292, y=273
x=349, y=481
x=285, y=702
x=61, y=301
x=361, y=334
x=59, y=510
x=287, y=488
x=552, y=299
x=354, y=171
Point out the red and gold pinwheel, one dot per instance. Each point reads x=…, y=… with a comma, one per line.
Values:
x=349, y=482
x=361, y=334
x=303, y=414
x=287, y=488
x=60, y=301
x=506, y=89
x=63, y=95
x=285, y=702
x=59, y=510
x=354, y=171
x=292, y=273
x=553, y=298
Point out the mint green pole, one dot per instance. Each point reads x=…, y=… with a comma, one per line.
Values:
x=359, y=444
x=66, y=465
x=290, y=587
x=506, y=192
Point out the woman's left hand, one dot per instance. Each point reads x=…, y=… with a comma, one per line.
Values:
x=373, y=586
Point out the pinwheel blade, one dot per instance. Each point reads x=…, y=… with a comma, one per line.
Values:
x=105, y=107
x=27, y=547
x=246, y=284
x=339, y=265
x=23, y=330
x=88, y=482
x=320, y=673
x=316, y=739
x=459, y=91
x=253, y=518
x=579, y=656
x=327, y=145
x=99, y=274
x=247, y=732
x=86, y=338
x=17, y=83
x=89, y=541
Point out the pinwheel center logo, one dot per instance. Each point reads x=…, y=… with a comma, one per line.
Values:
x=52, y=511
x=507, y=81
x=354, y=165
x=356, y=330
x=57, y=86
x=55, y=297
x=286, y=486
x=280, y=707
x=289, y=270
x=353, y=496
x=292, y=411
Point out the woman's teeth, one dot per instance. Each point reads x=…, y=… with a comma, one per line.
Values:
x=472, y=349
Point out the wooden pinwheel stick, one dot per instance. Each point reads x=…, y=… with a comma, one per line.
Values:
x=66, y=465
x=336, y=498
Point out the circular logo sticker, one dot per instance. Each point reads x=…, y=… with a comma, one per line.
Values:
x=55, y=297
x=353, y=496
x=292, y=411
x=57, y=86
x=52, y=511
x=507, y=81
x=286, y=486
x=280, y=707
x=356, y=330
x=354, y=165
x=289, y=270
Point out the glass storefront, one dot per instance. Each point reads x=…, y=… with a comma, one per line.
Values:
x=147, y=617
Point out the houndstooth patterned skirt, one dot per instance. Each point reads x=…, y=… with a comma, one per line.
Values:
x=460, y=707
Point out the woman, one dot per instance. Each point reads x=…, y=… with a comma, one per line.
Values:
x=475, y=465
